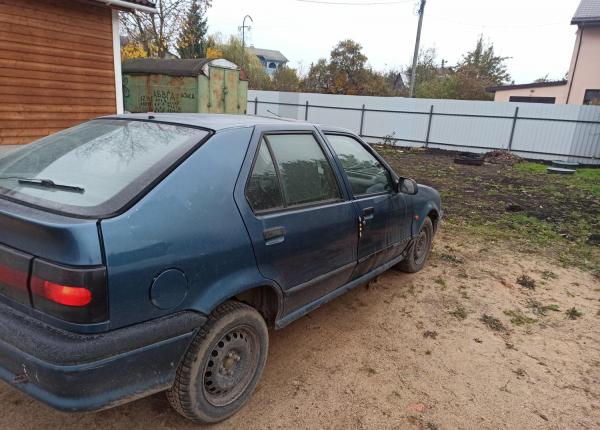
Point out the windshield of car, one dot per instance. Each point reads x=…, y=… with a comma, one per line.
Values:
x=95, y=168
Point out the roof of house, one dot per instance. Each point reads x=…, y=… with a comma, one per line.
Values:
x=173, y=67
x=141, y=5
x=268, y=54
x=588, y=13
x=142, y=2
x=524, y=86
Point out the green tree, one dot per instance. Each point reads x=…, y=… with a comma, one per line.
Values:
x=155, y=32
x=191, y=42
x=285, y=79
x=484, y=64
x=233, y=51
x=477, y=70
x=318, y=78
x=347, y=64
x=346, y=72
x=428, y=69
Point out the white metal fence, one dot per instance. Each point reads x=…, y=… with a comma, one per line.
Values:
x=532, y=130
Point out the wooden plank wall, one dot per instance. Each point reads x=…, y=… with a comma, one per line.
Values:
x=56, y=66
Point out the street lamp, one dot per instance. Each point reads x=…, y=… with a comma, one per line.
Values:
x=243, y=28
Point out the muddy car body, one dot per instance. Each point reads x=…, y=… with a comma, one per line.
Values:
x=143, y=253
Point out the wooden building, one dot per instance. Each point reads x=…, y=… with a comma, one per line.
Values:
x=60, y=64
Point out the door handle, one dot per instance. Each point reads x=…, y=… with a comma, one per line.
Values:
x=368, y=213
x=274, y=235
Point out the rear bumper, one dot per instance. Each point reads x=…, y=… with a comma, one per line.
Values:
x=89, y=372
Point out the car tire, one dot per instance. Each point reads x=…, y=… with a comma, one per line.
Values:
x=222, y=365
x=419, y=250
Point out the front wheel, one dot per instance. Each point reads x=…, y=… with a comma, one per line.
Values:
x=419, y=251
x=222, y=365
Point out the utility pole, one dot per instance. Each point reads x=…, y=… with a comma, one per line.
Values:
x=413, y=76
x=243, y=28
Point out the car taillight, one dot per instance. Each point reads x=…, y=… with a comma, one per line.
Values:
x=61, y=294
x=14, y=273
x=73, y=294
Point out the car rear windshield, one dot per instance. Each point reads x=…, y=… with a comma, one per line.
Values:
x=96, y=168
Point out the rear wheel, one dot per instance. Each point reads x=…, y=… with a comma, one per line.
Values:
x=420, y=249
x=222, y=365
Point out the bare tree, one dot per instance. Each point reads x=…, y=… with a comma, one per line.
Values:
x=156, y=33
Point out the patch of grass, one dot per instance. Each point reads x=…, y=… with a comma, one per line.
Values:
x=587, y=179
x=518, y=318
x=539, y=309
x=530, y=167
x=492, y=322
x=559, y=212
x=526, y=282
x=548, y=275
x=459, y=312
x=441, y=282
x=573, y=313
x=533, y=230
x=451, y=258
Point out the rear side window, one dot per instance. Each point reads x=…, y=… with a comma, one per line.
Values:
x=365, y=173
x=290, y=170
x=98, y=166
x=263, y=188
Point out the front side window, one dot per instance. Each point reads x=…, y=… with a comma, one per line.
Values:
x=365, y=173
x=592, y=97
x=306, y=175
x=95, y=168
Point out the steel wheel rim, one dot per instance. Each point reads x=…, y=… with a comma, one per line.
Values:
x=421, y=246
x=231, y=366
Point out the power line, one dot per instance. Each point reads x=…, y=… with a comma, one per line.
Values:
x=469, y=24
x=368, y=3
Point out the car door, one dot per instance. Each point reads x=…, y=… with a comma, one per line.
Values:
x=384, y=228
x=301, y=222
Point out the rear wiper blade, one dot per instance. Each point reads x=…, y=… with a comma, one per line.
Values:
x=46, y=183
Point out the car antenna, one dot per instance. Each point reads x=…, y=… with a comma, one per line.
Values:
x=273, y=113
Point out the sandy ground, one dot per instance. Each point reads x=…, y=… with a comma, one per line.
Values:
x=398, y=355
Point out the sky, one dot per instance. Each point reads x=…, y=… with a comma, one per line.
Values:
x=535, y=34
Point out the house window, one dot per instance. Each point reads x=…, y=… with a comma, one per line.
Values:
x=272, y=66
x=525, y=99
x=592, y=97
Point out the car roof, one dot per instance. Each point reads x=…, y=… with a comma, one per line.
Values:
x=211, y=121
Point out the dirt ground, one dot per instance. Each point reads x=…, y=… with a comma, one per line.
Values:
x=433, y=350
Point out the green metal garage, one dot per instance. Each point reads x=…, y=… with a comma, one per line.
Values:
x=190, y=85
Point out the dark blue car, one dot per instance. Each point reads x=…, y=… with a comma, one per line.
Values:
x=143, y=253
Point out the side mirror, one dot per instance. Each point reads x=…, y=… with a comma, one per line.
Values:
x=408, y=186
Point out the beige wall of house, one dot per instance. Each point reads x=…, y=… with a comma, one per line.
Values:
x=584, y=73
x=559, y=92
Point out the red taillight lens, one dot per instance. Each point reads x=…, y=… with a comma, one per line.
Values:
x=61, y=294
x=73, y=294
x=13, y=278
x=14, y=274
